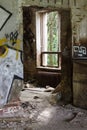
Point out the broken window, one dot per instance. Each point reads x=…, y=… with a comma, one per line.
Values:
x=48, y=39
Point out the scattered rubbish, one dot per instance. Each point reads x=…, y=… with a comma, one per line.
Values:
x=25, y=104
x=35, y=97
x=58, y=88
x=29, y=114
x=70, y=116
x=28, y=85
x=49, y=89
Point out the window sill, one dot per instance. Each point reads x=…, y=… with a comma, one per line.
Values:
x=49, y=69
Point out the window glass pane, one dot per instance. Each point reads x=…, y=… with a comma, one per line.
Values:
x=52, y=31
x=50, y=60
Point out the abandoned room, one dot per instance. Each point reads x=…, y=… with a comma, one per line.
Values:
x=43, y=64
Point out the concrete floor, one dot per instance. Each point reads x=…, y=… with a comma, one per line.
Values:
x=39, y=110
x=50, y=116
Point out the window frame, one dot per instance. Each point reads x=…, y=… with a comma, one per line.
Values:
x=40, y=43
x=51, y=52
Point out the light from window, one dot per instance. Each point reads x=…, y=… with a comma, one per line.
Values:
x=48, y=39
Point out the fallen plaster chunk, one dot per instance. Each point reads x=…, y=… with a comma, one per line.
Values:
x=49, y=89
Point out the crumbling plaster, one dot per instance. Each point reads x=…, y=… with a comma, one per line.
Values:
x=78, y=13
x=78, y=10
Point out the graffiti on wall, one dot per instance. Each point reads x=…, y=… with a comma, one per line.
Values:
x=11, y=40
x=79, y=51
x=10, y=64
x=12, y=37
x=4, y=15
x=9, y=67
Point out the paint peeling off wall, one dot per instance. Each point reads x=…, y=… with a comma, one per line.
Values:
x=55, y=3
x=78, y=18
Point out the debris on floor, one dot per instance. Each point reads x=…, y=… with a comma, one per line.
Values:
x=40, y=110
x=49, y=89
x=58, y=88
x=70, y=116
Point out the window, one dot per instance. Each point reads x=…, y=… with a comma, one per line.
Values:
x=48, y=39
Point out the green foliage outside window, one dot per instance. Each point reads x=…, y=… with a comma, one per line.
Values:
x=52, y=38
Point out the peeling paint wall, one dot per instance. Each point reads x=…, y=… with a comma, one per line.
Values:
x=29, y=42
x=79, y=40
x=11, y=66
x=79, y=16
x=54, y=3
x=76, y=8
